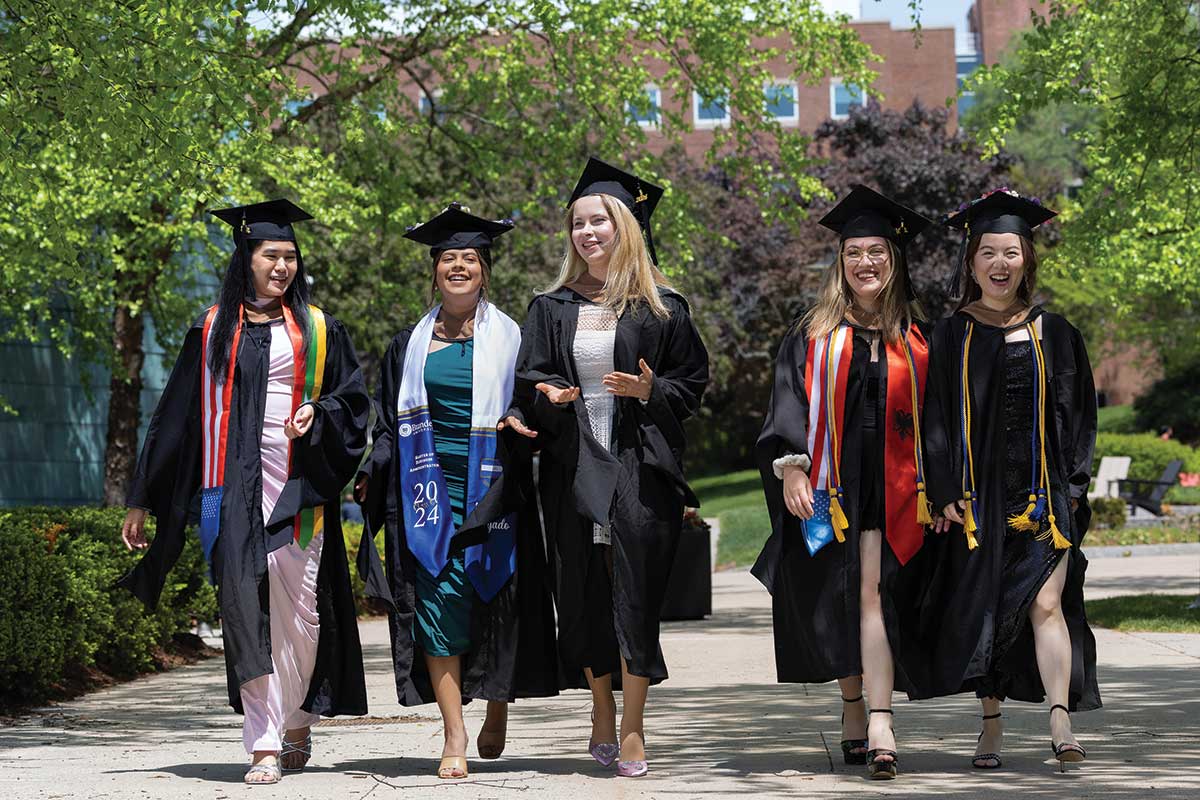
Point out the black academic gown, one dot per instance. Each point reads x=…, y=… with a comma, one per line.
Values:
x=961, y=604
x=168, y=480
x=512, y=651
x=639, y=488
x=815, y=599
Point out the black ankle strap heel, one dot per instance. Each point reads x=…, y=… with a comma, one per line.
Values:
x=981, y=761
x=850, y=745
x=882, y=770
x=1066, y=752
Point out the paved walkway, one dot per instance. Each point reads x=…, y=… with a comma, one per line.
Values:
x=720, y=727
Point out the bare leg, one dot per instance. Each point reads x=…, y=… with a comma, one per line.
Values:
x=604, y=709
x=878, y=671
x=494, y=731
x=854, y=715
x=1052, y=643
x=633, y=705
x=445, y=673
x=993, y=734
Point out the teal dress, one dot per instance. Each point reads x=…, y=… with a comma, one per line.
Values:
x=443, y=608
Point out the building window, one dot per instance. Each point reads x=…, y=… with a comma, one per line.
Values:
x=645, y=110
x=965, y=64
x=781, y=103
x=710, y=112
x=426, y=105
x=842, y=98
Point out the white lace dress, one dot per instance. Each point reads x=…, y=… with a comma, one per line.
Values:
x=595, y=337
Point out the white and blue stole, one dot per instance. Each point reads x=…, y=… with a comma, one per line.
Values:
x=428, y=520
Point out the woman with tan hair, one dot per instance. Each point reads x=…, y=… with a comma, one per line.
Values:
x=610, y=367
x=841, y=465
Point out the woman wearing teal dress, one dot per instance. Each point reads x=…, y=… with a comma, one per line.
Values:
x=453, y=488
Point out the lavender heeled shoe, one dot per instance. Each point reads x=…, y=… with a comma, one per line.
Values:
x=632, y=769
x=605, y=753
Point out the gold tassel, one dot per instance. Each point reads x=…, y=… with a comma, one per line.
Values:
x=969, y=526
x=923, y=515
x=840, y=523
x=1060, y=542
x=1025, y=521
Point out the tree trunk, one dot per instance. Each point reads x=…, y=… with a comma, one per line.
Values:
x=124, y=401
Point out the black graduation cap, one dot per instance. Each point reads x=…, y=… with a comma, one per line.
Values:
x=456, y=229
x=271, y=220
x=998, y=211
x=639, y=196
x=865, y=212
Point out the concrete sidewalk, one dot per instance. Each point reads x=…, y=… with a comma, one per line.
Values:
x=720, y=727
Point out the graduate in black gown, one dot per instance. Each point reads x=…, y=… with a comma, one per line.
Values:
x=842, y=469
x=1004, y=612
x=261, y=425
x=469, y=598
x=610, y=367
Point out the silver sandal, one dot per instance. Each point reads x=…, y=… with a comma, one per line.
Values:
x=270, y=771
x=303, y=747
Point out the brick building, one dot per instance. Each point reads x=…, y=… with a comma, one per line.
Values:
x=994, y=22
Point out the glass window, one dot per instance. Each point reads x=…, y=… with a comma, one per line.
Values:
x=842, y=98
x=710, y=111
x=781, y=100
x=645, y=110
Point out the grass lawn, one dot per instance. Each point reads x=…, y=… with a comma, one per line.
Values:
x=1122, y=537
x=1159, y=613
x=736, y=499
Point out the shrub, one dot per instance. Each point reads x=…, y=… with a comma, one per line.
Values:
x=1173, y=401
x=60, y=611
x=1108, y=512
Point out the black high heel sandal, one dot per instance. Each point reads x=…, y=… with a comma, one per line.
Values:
x=1065, y=752
x=987, y=756
x=882, y=770
x=849, y=745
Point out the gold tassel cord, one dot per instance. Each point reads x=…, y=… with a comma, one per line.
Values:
x=837, y=515
x=924, y=517
x=1025, y=521
x=969, y=522
x=1061, y=542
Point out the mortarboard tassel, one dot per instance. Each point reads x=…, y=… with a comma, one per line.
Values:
x=969, y=526
x=1027, y=520
x=955, y=289
x=837, y=515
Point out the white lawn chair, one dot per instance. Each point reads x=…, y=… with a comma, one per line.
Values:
x=1112, y=470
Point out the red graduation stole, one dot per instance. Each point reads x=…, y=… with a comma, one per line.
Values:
x=906, y=507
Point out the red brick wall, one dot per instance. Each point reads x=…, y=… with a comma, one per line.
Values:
x=995, y=21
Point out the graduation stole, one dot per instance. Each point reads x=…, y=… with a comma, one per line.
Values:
x=426, y=507
x=1040, y=506
x=216, y=396
x=825, y=379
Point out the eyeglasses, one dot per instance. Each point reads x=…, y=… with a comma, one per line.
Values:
x=876, y=255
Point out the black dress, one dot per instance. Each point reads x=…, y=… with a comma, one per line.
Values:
x=638, y=487
x=975, y=618
x=512, y=653
x=168, y=479
x=815, y=599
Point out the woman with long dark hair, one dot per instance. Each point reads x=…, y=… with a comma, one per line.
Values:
x=842, y=467
x=610, y=367
x=262, y=423
x=471, y=615
x=1010, y=425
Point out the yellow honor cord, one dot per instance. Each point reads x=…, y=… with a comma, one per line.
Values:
x=969, y=523
x=923, y=515
x=1060, y=542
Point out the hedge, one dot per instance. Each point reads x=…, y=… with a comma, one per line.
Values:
x=60, y=612
x=1150, y=456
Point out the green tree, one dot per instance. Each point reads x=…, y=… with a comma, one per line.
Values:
x=1131, y=235
x=121, y=122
